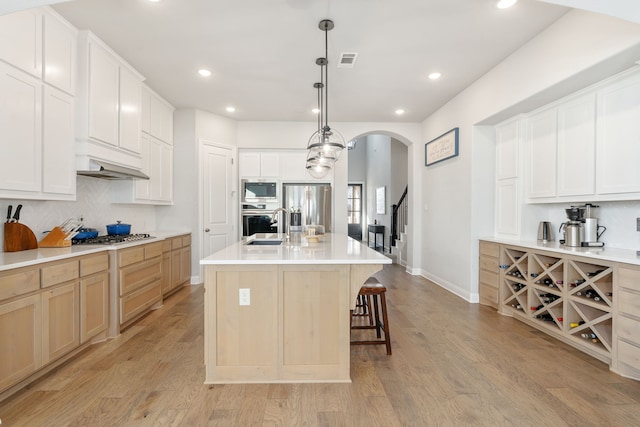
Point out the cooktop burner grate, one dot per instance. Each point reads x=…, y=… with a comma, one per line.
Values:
x=111, y=239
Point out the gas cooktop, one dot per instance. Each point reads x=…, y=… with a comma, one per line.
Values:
x=111, y=239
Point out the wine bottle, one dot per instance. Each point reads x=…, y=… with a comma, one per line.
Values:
x=588, y=336
x=545, y=316
x=537, y=308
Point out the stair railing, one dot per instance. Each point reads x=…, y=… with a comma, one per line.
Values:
x=399, y=215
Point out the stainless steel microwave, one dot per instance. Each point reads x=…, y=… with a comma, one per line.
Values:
x=259, y=190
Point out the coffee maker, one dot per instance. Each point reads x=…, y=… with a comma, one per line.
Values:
x=582, y=229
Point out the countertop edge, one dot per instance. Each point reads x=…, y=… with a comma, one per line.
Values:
x=13, y=260
x=606, y=253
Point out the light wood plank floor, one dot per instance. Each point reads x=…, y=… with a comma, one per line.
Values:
x=453, y=364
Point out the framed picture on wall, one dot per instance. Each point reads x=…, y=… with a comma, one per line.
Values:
x=380, y=200
x=442, y=148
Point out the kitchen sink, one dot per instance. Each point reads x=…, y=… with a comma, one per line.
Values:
x=264, y=242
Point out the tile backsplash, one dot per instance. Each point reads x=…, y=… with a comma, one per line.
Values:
x=93, y=203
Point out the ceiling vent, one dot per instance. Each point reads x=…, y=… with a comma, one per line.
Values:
x=347, y=60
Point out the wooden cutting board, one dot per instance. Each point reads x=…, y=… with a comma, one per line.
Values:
x=18, y=237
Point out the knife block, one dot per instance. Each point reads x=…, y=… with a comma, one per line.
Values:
x=18, y=237
x=55, y=239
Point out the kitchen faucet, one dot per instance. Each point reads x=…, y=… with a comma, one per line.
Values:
x=273, y=220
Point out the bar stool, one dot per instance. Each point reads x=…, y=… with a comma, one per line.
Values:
x=373, y=291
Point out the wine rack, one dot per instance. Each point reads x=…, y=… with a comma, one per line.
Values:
x=565, y=296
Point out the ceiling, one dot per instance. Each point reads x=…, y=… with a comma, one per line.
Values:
x=262, y=52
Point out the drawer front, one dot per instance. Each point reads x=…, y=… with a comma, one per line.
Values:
x=186, y=240
x=19, y=282
x=488, y=295
x=139, y=301
x=176, y=243
x=166, y=245
x=629, y=355
x=130, y=256
x=138, y=275
x=629, y=278
x=629, y=302
x=629, y=329
x=59, y=273
x=152, y=250
x=94, y=264
x=489, y=279
x=490, y=249
x=489, y=264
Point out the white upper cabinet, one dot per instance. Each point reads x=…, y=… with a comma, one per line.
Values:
x=507, y=141
x=59, y=53
x=109, y=106
x=130, y=110
x=20, y=121
x=541, y=161
x=293, y=166
x=157, y=116
x=21, y=40
x=259, y=164
x=58, y=144
x=618, y=134
x=103, y=95
x=577, y=146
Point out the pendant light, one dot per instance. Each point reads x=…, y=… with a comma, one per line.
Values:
x=326, y=144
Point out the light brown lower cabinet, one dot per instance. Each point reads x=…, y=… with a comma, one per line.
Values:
x=489, y=274
x=590, y=303
x=178, y=263
x=47, y=311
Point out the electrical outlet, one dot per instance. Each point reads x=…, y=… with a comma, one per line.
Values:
x=245, y=296
x=637, y=224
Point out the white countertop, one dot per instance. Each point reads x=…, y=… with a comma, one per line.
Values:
x=10, y=260
x=627, y=256
x=330, y=249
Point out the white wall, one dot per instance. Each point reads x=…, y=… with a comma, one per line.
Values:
x=580, y=48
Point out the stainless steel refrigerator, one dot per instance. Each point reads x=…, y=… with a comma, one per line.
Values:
x=313, y=201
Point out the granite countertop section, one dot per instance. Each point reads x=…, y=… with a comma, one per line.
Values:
x=10, y=260
x=330, y=249
x=627, y=256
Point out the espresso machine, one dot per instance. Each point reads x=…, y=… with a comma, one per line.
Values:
x=582, y=229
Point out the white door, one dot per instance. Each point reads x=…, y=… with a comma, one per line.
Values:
x=219, y=198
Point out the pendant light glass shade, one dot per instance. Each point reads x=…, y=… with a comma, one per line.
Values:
x=318, y=166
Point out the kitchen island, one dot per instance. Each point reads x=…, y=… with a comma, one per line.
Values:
x=281, y=312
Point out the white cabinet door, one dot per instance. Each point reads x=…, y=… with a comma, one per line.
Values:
x=143, y=186
x=542, y=165
x=507, y=207
x=155, y=171
x=166, y=178
x=145, y=109
x=160, y=119
x=21, y=124
x=249, y=164
x=130, y=103
x=58, y=145
x=59, y=53
x=103, y=96
x=270, y=164
x=507, y=137
x=21, y=40
x=618, y=138
x=576, y=146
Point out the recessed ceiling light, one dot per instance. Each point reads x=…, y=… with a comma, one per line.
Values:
x=204, y=72
x=399, y=111
x=435, y=76
x=155, y=1
x=230, y=109
x=504, y=4
x=315, y=110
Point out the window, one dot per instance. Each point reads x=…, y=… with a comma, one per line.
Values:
x=354, y=203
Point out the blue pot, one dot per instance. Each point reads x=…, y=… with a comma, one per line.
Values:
x=86, y=233
x=118, y=229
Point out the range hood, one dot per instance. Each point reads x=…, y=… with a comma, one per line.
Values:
x=106, y=170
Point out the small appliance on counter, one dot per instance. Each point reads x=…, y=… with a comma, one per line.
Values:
x=582, y=229
x=545, y=232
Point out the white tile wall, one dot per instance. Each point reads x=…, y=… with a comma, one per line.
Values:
x=92, y=203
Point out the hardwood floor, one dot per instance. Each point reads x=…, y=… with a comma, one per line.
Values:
x=453, y=364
